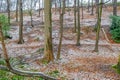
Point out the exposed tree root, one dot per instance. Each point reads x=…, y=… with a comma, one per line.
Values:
x=27, y=73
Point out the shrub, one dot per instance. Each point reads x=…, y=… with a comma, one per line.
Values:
x=5, y=25
x=115, y=28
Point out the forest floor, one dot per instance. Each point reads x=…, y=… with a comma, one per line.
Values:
x=76, y=62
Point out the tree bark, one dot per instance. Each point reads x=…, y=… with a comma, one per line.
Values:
x=4, y=49
x=48, y=49
x=82, y=9
x=75, y=16
x=30, y=12
x=78, y=32
x=61, y=28
x=88, y=6
x=92, y=10
x=115, y=7
x=21, y=41
x=39, y=8
x=8, y=10
x=98, y=26
x=17, y=10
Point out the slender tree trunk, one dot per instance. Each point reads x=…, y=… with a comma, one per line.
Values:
x=98, y=26
x=97, y=6
x=60, y=7
x=92, y=10
x=39, y=8
x=115, y=7
x=55, y=7
x=61, y=28
x=42, y=11
x=21, y=41
x=48, y=49
x=75, y=16
x=78, y=32
x=88, y=6
x=31, y=19
x=4, y=49
x=8, y=9
x=69, y=7
x=82, y=9
x=17, y=10
x=31, y=14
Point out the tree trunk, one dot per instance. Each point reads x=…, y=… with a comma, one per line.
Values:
x=98, y=26
x=68, y=7
x=31, y=14
x=60, y=6
x=61, y=28
x=88, y=6
x=8, y=10
x=115, y=7
x=97, y=6
x=39, y=8
x=82, y=8
x=42, y=11
x=4, y=49
x=48, y=49
x=75, y=16
x=78, y=32
x=31, y=19
x=55, y=7
x=21, y=41
x=17, y=10
x=92, y=10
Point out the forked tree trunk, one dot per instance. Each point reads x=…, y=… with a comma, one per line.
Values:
x=21, y=41
x=98, y=26
x=61, y=28
x=48, y=49
x=78, y=31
